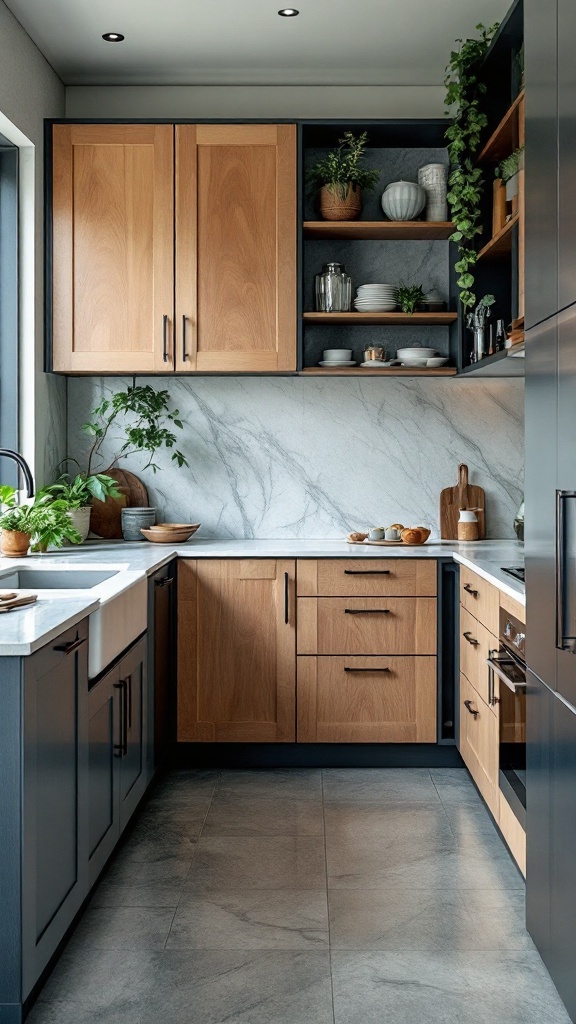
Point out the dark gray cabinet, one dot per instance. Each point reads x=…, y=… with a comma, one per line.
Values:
x=117, y=753
x=566, y=151
x=161, y=665
x=54, y=824
x=541, y=175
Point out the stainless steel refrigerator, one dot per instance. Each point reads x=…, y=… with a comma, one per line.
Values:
x=550, y=526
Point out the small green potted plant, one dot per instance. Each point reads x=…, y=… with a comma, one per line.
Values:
x=43, y=523
x=409, y=297
x=339, y=177
x=78, y=493
x=508, y=171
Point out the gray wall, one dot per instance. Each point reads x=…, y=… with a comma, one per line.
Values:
x=184, y=101
x=30, y=91
x=292, y=457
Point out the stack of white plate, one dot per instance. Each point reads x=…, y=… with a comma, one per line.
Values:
x=375, y=298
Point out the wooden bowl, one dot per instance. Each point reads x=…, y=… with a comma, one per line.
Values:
x=415, y=535
x=190, y=528
x=167, y=535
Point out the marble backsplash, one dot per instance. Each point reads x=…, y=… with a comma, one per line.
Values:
x=292, y=457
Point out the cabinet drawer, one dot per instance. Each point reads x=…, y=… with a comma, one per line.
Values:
x=366, y=700
x=479, y=743
x=480, y=598
x=475, y=646
x=361, y=625
x=366, y=577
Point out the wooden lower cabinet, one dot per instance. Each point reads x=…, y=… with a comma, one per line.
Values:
x=476, y=645
x=236, y=650
x=365, y=625
x=478, y=743
x=366, y=700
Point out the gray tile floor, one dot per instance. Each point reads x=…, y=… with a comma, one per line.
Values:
x=306, y=897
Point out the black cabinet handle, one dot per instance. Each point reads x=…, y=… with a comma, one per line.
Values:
x=366, y=572
x=121, y=748
x=166, y=582
x=352, y=669
x=71, y=646
x=367, y=611
x=564, y=593
x=468, y=636
x=286, y=598
x=467, y=705
x=165, y=337
x=470, y=590
x=184, y=353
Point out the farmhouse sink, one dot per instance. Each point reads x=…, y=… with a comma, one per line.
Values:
x=121, y=596
x=54, y=579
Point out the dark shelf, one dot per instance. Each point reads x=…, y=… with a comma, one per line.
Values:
x=501, y=364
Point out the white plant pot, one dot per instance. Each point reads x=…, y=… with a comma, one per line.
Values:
x=80, y=518
x=403, y=200
x=512, y=188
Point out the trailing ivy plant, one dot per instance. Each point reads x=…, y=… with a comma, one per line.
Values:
x=463, y=95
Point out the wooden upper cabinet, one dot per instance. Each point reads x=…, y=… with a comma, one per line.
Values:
x=236, y=650
x=113, y=248
x=236, y=247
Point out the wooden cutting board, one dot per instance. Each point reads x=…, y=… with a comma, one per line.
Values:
x=106, y=518
x=452, y=499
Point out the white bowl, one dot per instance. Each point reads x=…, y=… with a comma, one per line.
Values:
x=415, y=362
x=437, y=361
x=415, y=353
x=339, y=354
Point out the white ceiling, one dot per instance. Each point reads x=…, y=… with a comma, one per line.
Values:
x=220, y=42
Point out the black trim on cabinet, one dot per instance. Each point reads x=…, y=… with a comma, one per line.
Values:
x=316, y=755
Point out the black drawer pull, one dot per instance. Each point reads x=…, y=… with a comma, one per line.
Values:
x=166, y=582
x=366, y=572
x=352, y=669
x=367, y=611
x=468, y=636
x=467, y=705
x=72, y=645
x=470, y=590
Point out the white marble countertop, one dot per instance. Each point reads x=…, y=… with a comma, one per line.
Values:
x=27, y=629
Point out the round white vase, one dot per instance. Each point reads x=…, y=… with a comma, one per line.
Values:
x=80, y=518
x=403, y=200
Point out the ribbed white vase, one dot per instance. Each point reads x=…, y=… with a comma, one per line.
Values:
x=433, y=179
x=403, y=200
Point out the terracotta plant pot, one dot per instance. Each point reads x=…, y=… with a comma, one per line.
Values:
x=334, y=207
x=14, y=543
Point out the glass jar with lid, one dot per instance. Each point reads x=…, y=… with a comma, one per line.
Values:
x=333, y=289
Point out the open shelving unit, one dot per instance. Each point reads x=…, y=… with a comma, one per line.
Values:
x=501, y=243
x=376, y=249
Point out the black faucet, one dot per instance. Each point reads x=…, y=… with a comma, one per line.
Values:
x=7, y=453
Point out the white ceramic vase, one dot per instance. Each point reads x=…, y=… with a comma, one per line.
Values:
x=433, y=179
x=81, y=520
x=403, y=200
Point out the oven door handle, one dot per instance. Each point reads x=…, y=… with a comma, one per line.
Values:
x=495, y=665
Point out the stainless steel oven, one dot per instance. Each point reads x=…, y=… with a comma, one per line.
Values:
x=508, y=665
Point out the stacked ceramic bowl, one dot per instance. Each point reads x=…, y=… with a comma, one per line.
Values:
x=375, y=298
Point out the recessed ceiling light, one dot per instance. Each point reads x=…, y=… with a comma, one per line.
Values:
x=113, y=37
x=288, y=12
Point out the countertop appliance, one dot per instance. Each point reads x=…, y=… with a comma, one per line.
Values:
x=550, y=528
x=509, y=666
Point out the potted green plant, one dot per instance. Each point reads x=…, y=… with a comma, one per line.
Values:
x=409, y=297
x=43, y=523
x=339, y=177
x=508, y=171
x=78, y=493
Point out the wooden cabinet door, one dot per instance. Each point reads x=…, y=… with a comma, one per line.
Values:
x=478, y=743
x=362, y=625
x=113, y=248
x=236, y=247
x=236, y=650
x=366, y=700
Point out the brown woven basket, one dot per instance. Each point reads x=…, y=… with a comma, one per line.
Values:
x=334, y=207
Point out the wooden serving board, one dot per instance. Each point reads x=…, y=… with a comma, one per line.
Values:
x=386, y=543
x=452, y=499
x=106, y=518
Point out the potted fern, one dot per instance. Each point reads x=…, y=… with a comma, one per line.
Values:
x=339, y=177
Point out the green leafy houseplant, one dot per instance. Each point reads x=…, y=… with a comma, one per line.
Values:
x=342, y=174
x=510, y=165
x=147, y=423
x=79, y=491
x=464, y=92
x=44, y=522
x=409, y=296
